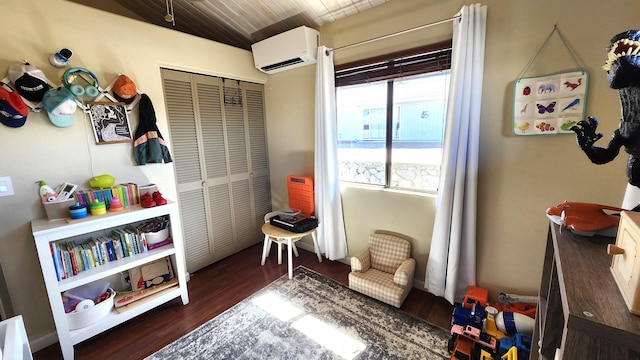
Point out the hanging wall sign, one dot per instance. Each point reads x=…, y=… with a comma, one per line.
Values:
x=549, y=104
x=110, y=122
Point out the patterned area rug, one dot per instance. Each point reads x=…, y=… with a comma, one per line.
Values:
x=310, y=317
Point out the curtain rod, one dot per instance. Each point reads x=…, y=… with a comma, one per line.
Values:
x=396, y=33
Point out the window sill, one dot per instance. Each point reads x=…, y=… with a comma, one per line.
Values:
x=392, y=190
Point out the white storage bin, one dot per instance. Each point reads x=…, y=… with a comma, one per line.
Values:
x=89, y=316
x=58, y=209
x=156, y=237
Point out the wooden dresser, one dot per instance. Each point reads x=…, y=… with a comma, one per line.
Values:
x=581, y=310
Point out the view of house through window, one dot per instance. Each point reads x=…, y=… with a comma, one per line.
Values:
x=390, y=132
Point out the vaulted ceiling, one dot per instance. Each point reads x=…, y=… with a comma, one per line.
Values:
x=238, y=23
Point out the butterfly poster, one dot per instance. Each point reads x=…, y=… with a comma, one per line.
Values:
x=549, y=104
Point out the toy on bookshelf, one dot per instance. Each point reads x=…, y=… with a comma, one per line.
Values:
x=47, y=194
x=102, y=181
x=88, y=293
x=127, y=297
x=140, y=297
x=115, y=205
x=65, y=191
x=97, y=207
x=151, y=274
x=155, y=230
x=84, y=316
x=88, y=303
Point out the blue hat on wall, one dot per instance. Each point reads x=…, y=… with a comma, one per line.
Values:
x=13, y=111
x=60, y=105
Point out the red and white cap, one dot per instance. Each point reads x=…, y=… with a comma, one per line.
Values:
x=13, y=111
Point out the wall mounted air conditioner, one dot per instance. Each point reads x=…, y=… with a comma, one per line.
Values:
x=288, y=50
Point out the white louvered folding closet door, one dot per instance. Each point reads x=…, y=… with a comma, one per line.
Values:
x=220, y=153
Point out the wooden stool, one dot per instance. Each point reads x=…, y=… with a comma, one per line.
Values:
x=280, y=236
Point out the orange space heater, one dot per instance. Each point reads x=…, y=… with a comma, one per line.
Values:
x=300, y=189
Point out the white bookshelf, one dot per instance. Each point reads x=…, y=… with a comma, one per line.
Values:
x=45, y=232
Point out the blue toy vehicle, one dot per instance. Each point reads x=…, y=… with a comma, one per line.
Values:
x=522, y=343
x=464, y=316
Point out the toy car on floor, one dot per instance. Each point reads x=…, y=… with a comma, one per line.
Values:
x=490, y=325
x=462, y=348
x=479, y=337
x=521, y=343
x=468, y=316
x=475, y=295
x=485, y=355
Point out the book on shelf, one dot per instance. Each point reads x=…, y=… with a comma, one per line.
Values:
x=129, y=194
x=110, y=250
x=140, y=242
x=143, y=243
x=89, y=258
x=57, y=261
x=71, y=258
x=66, y=262
x=125, y=241
x=162, y=243
x=79, y=260
x=117, y=244
x=97, y=253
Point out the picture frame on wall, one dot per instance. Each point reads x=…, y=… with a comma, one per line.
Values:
x=110, y=122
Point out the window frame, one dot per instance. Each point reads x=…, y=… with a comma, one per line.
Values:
x=417, y=61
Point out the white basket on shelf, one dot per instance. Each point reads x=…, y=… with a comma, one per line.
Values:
x=83, y=318
x=156, y=237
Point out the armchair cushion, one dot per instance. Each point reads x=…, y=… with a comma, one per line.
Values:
x=388, y=252
x=378, y=285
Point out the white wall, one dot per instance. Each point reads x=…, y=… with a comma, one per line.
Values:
x=107, y=45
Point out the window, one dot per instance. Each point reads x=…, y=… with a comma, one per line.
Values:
x=391, y=114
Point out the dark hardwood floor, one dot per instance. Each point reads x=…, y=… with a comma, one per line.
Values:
x=214, y=289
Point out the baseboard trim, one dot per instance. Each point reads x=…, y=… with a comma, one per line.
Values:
x=43, y=341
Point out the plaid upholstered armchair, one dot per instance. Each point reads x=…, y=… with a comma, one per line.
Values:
x=385, y=269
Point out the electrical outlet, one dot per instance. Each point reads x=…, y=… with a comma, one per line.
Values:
x=6, y=188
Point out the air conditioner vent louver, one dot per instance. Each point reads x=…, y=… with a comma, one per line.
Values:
x=281, y=64
x=288, y=50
